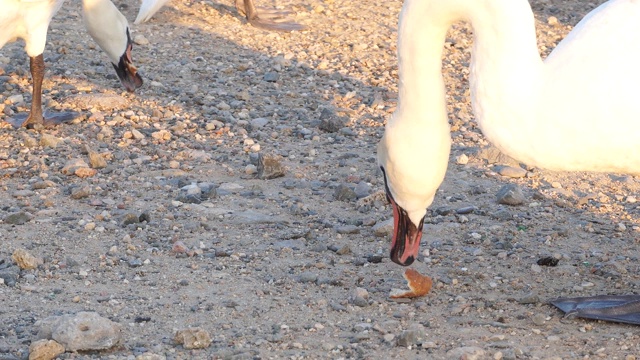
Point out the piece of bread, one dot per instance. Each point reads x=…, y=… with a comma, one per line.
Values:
x=420, y=285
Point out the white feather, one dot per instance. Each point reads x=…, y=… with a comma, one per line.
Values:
x=107, y=26
x=148, y=8
x=27, y=20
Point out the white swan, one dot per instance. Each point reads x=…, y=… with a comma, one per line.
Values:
x=577, y=110
x=29, y=20
x=269, y=19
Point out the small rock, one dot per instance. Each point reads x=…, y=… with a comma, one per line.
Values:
x=84, y=331
x=411, y=337
x=179, y=247
x=307, y=277
x=271, y=76
x=18, y=218
x=259, y=123
x=348, y=229
x=270, y=166
x=511, y=171
x=462, y=159
x=81, y=192
x=466, y=352
x=130, y=218
x=48, y=140
x=362, y=190
x=330, y=122
x=193, y=338
x=96, y=160
x=344, y=250
x=539, y=319
x=139, y=39
x=344, y=193
x=25, y=260
x=510, y=194
x=72, y=165
x=85, y=172
x=45, y=350
x=150, y=356
x=10, y=275
x=384, y=228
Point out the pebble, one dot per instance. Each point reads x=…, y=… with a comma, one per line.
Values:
x=344, y=193
x=45, y=350
x=384, y=228
x=466, y=352
x=81, y=192
x=84, y=331
x=462, y=159
x=48, y=140
x=25, y=260
x=271, y=76
x=150, y=356
x=130, y=218
x=411, y=337
x=270, y=166
x=539, y=319
x=19, y=218
x=331, y=123
x=512, y=172
x=510, y=194
x=259, y=123
x=140, y=39
x=348, y=229
x=307, y=277
x=362, y=190
x=193, y=338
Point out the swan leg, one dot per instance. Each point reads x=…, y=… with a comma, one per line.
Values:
x=623, y=308
x=268, y=19
x=36, y=116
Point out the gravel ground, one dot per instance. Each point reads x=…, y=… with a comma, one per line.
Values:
x=176, y=230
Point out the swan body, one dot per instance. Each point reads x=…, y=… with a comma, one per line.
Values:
x=29, y=20
x=578, y=110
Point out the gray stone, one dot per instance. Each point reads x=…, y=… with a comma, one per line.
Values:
x=330, y=122
x=270, y=166
x=362, y=190
x=344, y=193
x=130, y=218
x=19, y=218
x=10, y=275
x=510, y=194
x=307, y=277
x=383, y=228
x=511, y=171
x=348, y=229
x=271, y=76
x=259, y=123
x=411, y=337
x=291, y=244
x=466, y=352
x=84, y=331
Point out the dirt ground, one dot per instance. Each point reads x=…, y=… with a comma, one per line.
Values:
x=294, y=267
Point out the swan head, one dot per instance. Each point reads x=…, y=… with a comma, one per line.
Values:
x=413, y=157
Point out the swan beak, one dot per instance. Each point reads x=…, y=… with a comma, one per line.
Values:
x=125, y=69
x=405, y=242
